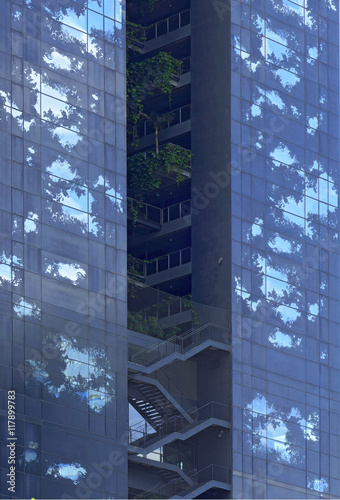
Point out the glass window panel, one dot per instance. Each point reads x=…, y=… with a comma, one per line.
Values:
x=64, y=269
x=185, y=18
x=65, y=217
x=174, y=23
x=75, y=19
x=118, y=11
x=65, y=63
x=96, y=5
x=109, y=8
x=63, y=113
x=109, y=28
x=95, y=24
x=65, y=192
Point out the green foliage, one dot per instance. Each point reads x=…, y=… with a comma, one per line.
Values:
x=147, y=321
x=134, y=208
x=156, y=72
x=135, y=32
x=144, y=78
x=144, y=167
x=146, y=6
x=150, y=326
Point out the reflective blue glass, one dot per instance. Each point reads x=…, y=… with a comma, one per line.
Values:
x=60, y=211
x=285, y=72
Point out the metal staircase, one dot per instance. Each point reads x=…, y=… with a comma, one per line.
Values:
x=171, y=414
x=172, y=465
x=157, y=399
x=179, y=348
x=213, y=476
x=178, y=427
x=151, y=403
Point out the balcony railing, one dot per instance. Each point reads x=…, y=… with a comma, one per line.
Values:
x=165, y=309
x=168, y=25
x=157, y=215
x=162, y=263
x=176, y=211
x=183, y=155
x=186, y=65
x=144, y=211
x=179, y=115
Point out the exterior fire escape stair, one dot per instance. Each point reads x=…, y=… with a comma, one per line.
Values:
x=178, y=428
x=200, y=488
x=181, y=472
x=153, y=400
x=179, y=348
x=151, y=403
x=212, y=477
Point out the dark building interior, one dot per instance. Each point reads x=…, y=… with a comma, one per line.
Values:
x=179, y=269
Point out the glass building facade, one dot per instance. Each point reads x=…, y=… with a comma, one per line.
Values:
x=62, y=246
x=63, y=225
x=286, y=343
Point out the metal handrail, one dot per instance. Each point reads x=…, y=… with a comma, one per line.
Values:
x=145, y=211
x=164, y=310
x=163, y=146
x=144, y=266
x=214, y=472
x=155, y=214
x=180, y=110
x=166, y=22
x=170, y=213
x=180, y=460
x=181, y=344
x=186, y=403
x=176, y=392
x=161, y=486
x=176, y=485
x=178, y=423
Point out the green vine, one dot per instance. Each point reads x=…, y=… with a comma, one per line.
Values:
x=133, y=273
x=150, y=326
x=156, y=72
x=147, y=6
x=135, y=33
x=144, y=167
x=146, y=320
x=144, y=78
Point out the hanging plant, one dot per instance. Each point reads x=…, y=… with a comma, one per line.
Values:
x=144, y=167
x=150, y=326
x=135, y=34
x=144, y=78
x=146, y=320
x=146, y=6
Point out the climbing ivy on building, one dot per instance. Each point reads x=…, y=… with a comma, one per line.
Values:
x=144, y=78
x=144, y=167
